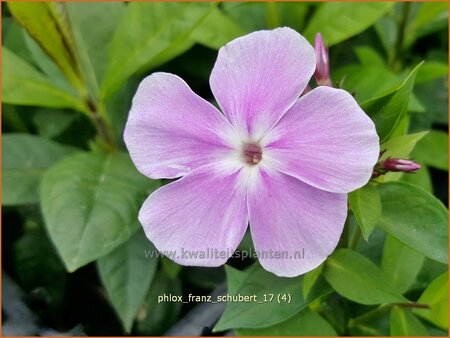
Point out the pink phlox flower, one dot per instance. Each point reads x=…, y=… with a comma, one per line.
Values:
x=272, y=159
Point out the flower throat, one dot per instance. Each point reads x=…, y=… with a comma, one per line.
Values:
x=252, y=153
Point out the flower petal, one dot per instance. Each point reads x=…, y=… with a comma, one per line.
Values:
x=199, y=219
x=325, y=140
x=171, y=130
x=294, y=222
x=257, y=77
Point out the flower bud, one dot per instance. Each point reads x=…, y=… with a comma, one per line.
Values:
x=322, y=74
x=398, y=164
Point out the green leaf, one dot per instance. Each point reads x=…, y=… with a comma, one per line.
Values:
x=429, y=272
x=416, y=218
x=170, y=267
x=371, y=78
x=404, y=323
x=253, y=16
x=401, y=146
x=427, y=13
x=265, y=285
x=400, y=263
x=47, y=65
x=372, y=323
x=305, y=323
x=436, y=296
x=90, y=204
x=366, y=81
x=432, y=150
x=216, y=30
x=156, y=316
x=388, y=109
x=250, y=16
x=431, y=71
x=149, y=34
x=337, y=20
x=429, y=18
x=94, y=25
x=352, y=275
x=310, y=279
x=387, y=31
x=369, y=57
x=51, y=123
x=366, y=206
x=48, y=24
x=236, y=277
x=25, y=159
x=13, y=39
x=127, y=273
x=34, y=252
x=433, y=96
x=23, y=84
x=420, y=178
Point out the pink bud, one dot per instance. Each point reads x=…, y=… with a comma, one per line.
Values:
x=398, y=164
x=322, y=74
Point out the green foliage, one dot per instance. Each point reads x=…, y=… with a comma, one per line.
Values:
x=97, y=197
x=310, y=279
x=432, y=150
x=375, y=322
x=51, y=123
x=24, y=85
x=263, y=284
x=148, y=35
x=94, y=29
x=337, y=20
x=401, y=146
x=25, y=160
x=305, y=323
x=217, y=30
x=126, y=273
x=369, y=78
x=421, y=178
x=416, y=218
x=251, y=16
x=29, y=251
x=48, y=24
x=366, y=206
x=352, y=275
x=400, y=263
x=436, y=297
x=387, y=110
x=156, y=317
x=404, y=323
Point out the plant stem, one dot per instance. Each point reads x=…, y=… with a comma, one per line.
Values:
x=101, y=124
x=412, y=305
x=398, y=48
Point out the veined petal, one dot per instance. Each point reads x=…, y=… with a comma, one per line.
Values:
x=257, y=77
x=325, y=140
x=171, y=131
x=294, y=226
x=201, y=218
